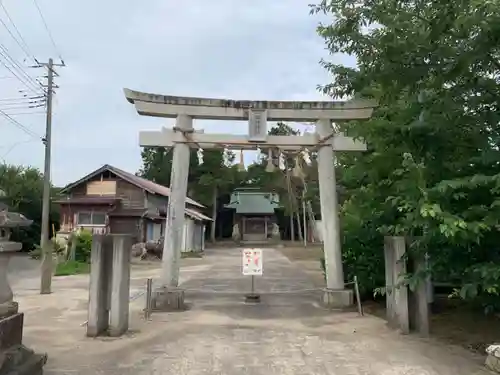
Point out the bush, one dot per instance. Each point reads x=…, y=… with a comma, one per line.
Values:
x=36, y=253
x=72, y=268
x=83, y=246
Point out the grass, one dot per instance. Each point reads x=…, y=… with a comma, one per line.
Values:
x=72, y=268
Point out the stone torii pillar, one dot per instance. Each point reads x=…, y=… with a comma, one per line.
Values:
x=175, y=208
x=335, y=293
x=257, y=113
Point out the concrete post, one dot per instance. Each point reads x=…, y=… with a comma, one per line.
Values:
x=419, y=304
x=100, y=288
x=175, y=209
x=120, y=285
x=397, y=295
x=335, y=294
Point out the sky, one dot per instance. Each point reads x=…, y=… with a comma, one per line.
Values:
x=234, y=49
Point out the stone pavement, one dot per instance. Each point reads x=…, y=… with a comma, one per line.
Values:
x=285, y=334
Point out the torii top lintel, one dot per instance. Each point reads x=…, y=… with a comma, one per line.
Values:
x=213, y=109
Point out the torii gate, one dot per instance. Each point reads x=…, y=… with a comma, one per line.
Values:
x=257, y=113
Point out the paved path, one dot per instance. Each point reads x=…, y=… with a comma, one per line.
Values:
x=285, y=334
x=22, y=267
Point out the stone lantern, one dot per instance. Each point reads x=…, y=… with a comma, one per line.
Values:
x=15, y=358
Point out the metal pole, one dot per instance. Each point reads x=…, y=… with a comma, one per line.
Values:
x=149, y=291
x=253, y=285
x=304, y=217
x=358, y=298
x=46, y=278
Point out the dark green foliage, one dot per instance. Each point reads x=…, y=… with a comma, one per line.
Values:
x=432, y=171
x=83, y=247
x=23, y=187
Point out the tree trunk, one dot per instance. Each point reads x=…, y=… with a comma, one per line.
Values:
x=299, y=227
x=214, y=215
x=290, y=202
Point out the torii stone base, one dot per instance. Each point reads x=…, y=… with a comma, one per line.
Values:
x=338, y=299
x=168, y=299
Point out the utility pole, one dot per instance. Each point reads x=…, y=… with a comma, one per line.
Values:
x=46, y=247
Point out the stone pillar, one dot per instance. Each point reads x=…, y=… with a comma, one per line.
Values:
x=120, y=285
x=175, y=214
x=100, y=285
x=419, y=299
x=335, y=294
x=396, y=295
x=407, y=310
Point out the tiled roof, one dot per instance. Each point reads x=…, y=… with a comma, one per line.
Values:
x=147, y=185
x=197, y=215
x=253, y=202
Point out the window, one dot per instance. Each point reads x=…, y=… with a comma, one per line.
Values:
x=91, y=218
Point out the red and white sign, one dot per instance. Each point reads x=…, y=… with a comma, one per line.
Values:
x=252, y=262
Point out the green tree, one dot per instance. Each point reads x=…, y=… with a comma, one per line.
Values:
x=432, y=168
x=23, y=187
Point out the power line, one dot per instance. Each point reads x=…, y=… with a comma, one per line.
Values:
x=39, y=105
x=27, y=113
x=20, y=126
x=4, y=155
x=16, y=76
x=47, y=28
x=20, y=68
x=24, y=46
x=27, y=79
x=22, y=99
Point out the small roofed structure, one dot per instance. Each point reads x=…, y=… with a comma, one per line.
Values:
x=255, y=218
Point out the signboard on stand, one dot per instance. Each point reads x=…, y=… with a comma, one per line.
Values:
x=252, y=262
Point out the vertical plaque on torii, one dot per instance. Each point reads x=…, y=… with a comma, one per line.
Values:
x=257, y=125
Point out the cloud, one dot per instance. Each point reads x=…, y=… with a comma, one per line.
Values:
x=234, y=49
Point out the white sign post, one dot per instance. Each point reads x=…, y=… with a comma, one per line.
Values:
x=252, y=262
x=252, y=266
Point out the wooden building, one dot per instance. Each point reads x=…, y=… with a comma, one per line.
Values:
x=111, y=200
x=254, y=213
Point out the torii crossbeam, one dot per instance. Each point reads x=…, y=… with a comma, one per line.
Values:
x=257, y=113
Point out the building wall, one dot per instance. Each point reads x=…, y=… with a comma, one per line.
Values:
x=131, y=195
x=69, y=214
x=154, y=230
x=155, y=203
